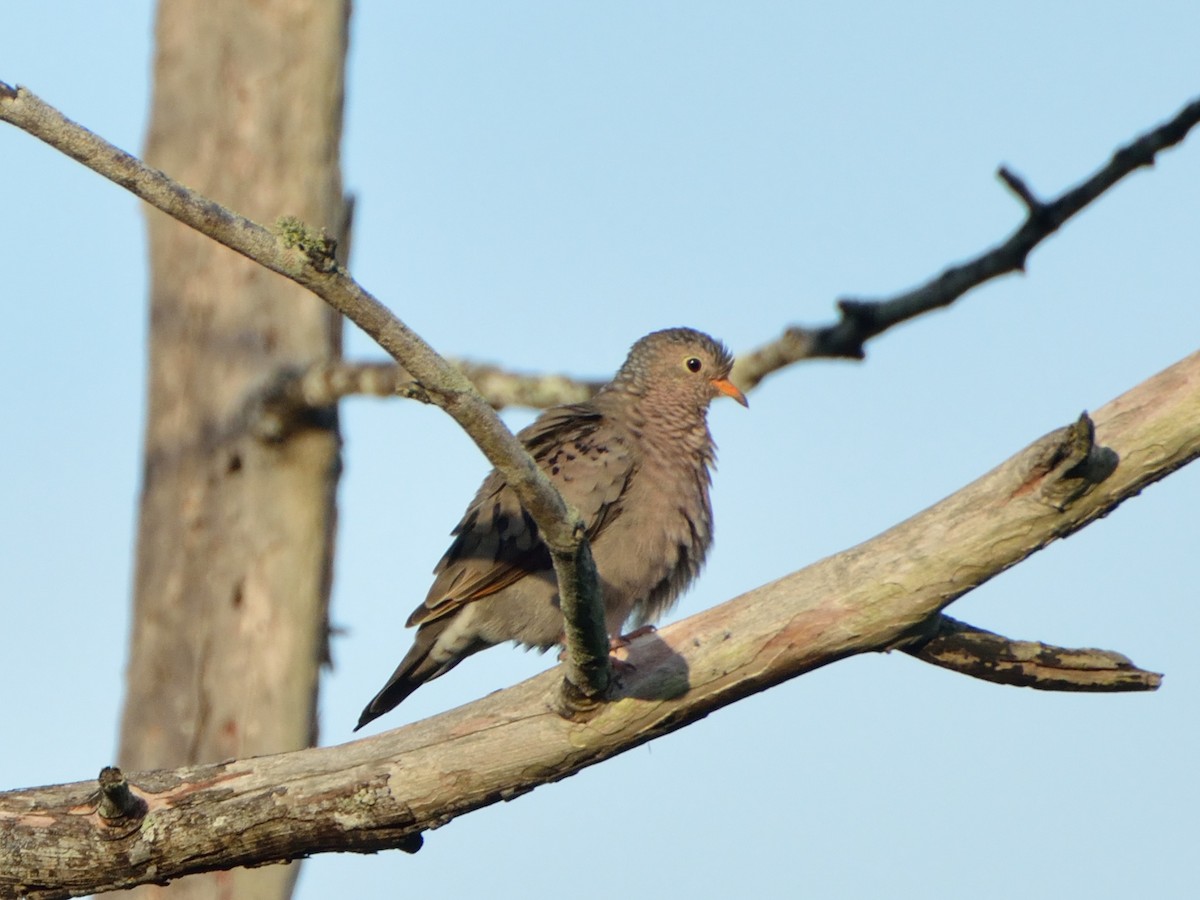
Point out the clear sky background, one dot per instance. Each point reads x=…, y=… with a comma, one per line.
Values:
x=539, y=184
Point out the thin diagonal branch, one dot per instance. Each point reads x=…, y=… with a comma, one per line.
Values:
x=863, y=319
x=295, y=252
x=968, y=650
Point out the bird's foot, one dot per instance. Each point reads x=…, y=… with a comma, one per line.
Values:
x=624, y=640
x=618, y=649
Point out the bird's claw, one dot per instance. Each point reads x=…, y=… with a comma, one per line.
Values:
x=624, y=640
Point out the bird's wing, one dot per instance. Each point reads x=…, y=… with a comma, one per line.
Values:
x=497, y=542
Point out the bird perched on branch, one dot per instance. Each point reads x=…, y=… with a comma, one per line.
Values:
x=634, y=461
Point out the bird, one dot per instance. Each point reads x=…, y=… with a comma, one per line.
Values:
x=635, y=462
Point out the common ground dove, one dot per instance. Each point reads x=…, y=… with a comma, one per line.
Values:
x=634, y=461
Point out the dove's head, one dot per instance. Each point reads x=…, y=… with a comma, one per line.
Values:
x=682, y=366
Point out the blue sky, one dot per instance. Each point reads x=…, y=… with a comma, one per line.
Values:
x=539, y=184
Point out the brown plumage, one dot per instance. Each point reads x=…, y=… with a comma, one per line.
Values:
x=634, y=461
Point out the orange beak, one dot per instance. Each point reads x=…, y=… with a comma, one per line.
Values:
x=726, y=387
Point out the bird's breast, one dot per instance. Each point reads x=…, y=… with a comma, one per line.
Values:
x=656, y=546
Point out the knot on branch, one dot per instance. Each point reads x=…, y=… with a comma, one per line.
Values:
x=414, y=390
x=117, y=803
x=1068, y=464
x=318, y=247
x=1136, y=156
x=7, y=91
x=564, y=544
x=845, y=340
x=574, y=704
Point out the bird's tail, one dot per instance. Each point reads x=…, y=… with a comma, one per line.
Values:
x=417, y=667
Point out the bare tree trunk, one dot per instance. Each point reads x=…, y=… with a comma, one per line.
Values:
x=237, y=513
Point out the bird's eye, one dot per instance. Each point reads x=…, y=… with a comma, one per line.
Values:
x=693, y=364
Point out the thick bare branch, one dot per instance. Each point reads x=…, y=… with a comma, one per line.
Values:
x=384, y=791
x=863, y=319
x=963, y=648
x=295, y=252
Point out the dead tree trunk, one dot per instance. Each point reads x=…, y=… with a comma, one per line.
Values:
x=237, y=509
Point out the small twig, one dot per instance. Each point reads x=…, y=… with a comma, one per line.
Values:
x=863, y=319
x=1017, y=185
x=963, y=648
